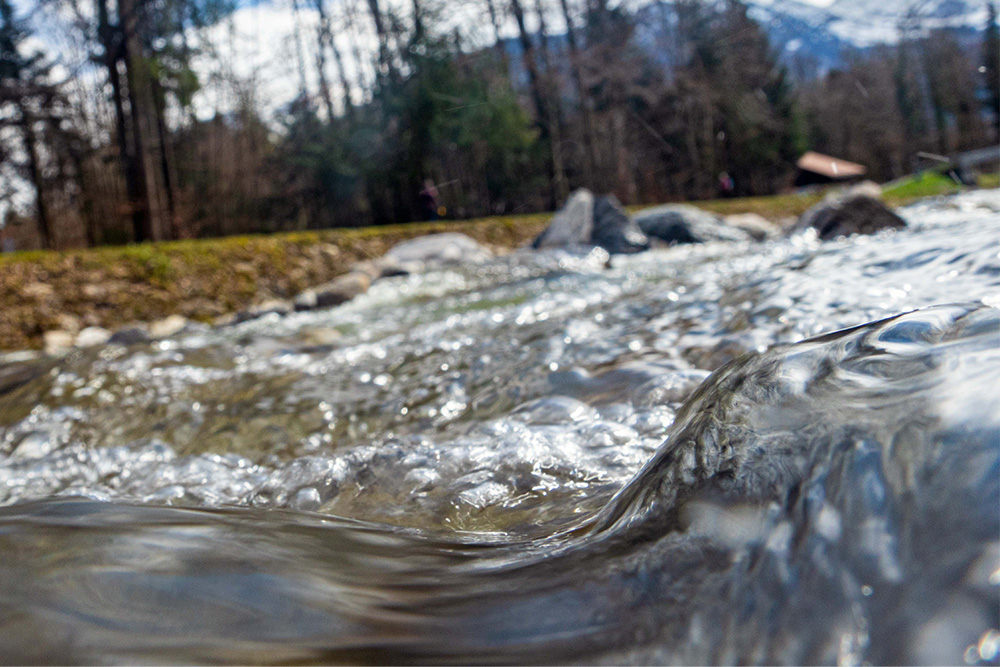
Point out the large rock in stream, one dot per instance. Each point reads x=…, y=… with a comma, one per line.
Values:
x=680, y=223
x=585, y=220
x=572, y=224
x=614, y=230
x=857, y=211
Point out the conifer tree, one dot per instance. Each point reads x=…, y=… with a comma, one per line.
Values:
x=991, y=63
x=28, y=100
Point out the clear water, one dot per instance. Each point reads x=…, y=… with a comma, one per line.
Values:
x=535, y=459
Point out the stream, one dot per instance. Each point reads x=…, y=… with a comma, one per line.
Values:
x=780, y=452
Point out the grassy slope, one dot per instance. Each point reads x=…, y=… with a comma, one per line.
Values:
x=204, y=278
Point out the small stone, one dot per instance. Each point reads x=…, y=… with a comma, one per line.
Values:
x=269, y=307
x=69, y=322
x=129, y=336
x=368, y=268
x=341, y=290
x=92, y=337
x=56, y=343
x=168, y=326
x=305, y=301
x=225, y=320
x=330, y=250
x=39, y=291
x=201, y=308
x=94, y=292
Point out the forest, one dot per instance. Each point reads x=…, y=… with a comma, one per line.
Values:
x=123, y=120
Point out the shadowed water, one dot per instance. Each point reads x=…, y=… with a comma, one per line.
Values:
x=534, y=468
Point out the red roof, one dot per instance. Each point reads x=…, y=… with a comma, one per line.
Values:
x=830, y=167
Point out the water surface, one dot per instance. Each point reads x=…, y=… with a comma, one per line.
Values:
x=535, y=459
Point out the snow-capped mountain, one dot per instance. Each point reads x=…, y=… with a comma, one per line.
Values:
x=862, y=23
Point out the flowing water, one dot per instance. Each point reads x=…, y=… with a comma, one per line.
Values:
x=782, y=452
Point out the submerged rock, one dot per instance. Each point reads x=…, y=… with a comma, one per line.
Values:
x=614, y=230
x=857, y=211
x=680, y=223
x=271, y=306
x=319, y=336
x=572, y=224
x=130, y=336
x=339, y=290
x=758, y=227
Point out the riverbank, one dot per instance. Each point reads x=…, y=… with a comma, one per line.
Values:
x=203, y=279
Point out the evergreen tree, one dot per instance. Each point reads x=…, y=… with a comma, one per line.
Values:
x=756, y=132
x=991, y=63
x=28, y=101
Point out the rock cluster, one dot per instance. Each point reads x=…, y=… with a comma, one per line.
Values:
x=60, y=342
x=586, y=220
x=413, y=256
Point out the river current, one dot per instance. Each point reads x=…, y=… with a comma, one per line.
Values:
x=785, y=452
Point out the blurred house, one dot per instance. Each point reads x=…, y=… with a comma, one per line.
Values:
x=818, y=169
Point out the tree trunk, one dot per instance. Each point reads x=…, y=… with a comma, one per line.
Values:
x=324, y=85
x=590, y=163
x=35, y=174
x=384, y=64
x=299, y=54
x=359, y=61
x=111, y=42
x=167, y=163
x=549, y=129
x=142, y=112
x=326, y=40
x=501, y=51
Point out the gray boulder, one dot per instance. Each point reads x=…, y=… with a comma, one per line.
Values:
x=588, y=221
x=855, y=212
x=614, y=230
x=434, y=250
x=572, y=225
x=680, y=223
